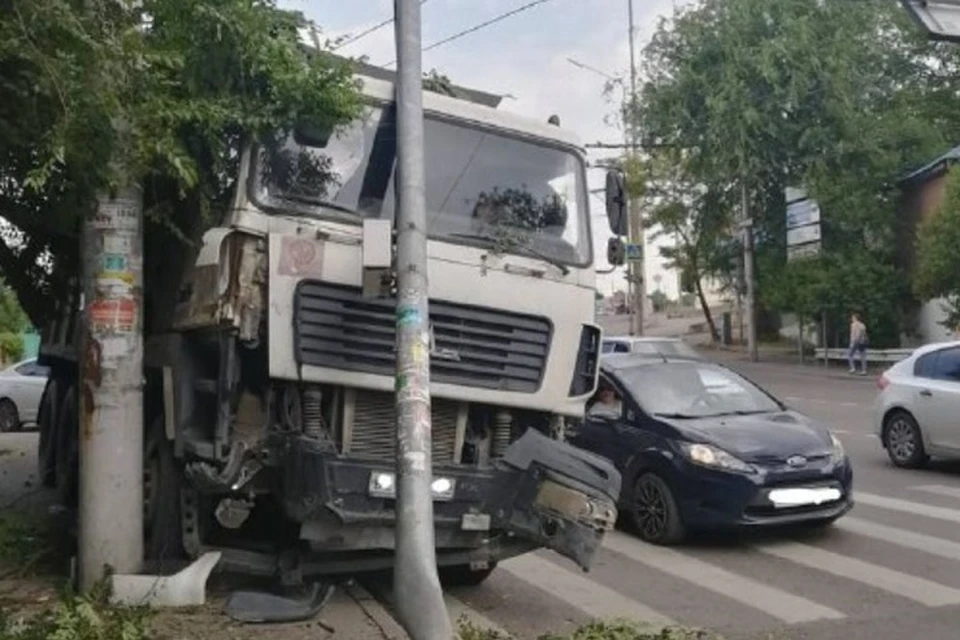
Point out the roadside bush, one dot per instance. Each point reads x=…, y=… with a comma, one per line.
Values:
x=11, y=347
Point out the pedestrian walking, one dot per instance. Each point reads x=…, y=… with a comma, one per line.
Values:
x=858, y=344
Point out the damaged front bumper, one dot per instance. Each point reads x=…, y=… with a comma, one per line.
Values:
x=542, y=493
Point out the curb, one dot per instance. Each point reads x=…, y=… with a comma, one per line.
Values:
x=389, y=628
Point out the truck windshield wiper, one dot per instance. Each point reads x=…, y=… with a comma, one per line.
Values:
x=492, y=240
x=677, y=416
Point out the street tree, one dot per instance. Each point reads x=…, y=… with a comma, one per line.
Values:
x=837, y=97
x=678, y=207
x=194, y=81
x=938, y=261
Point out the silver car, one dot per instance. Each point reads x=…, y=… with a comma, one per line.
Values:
x=916, y=412
x=21, y=387
x=653, y=346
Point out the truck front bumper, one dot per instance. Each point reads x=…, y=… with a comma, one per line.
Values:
x=541, y=493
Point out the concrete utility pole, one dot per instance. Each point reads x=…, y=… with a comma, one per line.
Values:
x=416, y=584
x=635, y=215
x=751, y=312
x=110, y=390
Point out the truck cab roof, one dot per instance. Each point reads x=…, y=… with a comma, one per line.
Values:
x=466, y=110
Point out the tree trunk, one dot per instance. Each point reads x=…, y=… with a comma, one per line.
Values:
x=708, y=316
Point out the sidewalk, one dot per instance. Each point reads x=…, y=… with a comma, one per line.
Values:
x=786, y=356
x=351, y=614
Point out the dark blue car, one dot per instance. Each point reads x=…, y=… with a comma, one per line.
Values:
x=701, y=447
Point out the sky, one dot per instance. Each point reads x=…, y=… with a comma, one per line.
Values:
x=524, y=57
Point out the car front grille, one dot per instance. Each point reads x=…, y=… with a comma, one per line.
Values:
x=336, y=327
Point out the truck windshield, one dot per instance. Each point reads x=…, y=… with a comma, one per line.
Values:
x=480, y=185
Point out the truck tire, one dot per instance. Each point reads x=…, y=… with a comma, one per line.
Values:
x=163, y=533
x=47, y=426
x=68, y=449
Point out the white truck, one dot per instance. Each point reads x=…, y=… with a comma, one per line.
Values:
x=269, y=381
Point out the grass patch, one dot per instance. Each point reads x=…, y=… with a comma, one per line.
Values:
x=599, y=630
x=29, y=543
x=24, y=535
x=79, y=618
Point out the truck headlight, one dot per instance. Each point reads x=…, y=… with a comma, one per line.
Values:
x=383, y=484
x=709, y=456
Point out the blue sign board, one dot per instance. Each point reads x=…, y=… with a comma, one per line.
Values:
x=634, y=252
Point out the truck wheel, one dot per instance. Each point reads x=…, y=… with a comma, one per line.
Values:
x=68, y=449
x=462, y=575
x=163, y=536
x=47, y=425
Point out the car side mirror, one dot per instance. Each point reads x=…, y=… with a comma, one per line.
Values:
x=616, y=201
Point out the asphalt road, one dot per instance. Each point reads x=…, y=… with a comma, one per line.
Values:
x=887, y=571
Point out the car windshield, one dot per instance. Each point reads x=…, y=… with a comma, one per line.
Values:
x=694, y=390
x=482, y=188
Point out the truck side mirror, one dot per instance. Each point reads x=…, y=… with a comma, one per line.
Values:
x=616, y=198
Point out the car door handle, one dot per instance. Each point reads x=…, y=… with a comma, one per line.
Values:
x=926, y=393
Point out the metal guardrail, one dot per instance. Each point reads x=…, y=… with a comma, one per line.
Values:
x=873, y=355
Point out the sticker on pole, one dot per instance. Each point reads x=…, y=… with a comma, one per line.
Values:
x=119, y=215
x=116, y=315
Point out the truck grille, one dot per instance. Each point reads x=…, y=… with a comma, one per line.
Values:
x=336, y=327
x=374, y=428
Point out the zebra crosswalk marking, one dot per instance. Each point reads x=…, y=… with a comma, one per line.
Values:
x=592, y=598
x=901, y=537
x=775, y=602
x=907, y=506
x=931, y=594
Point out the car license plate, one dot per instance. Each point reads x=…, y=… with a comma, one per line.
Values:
x=799, y=497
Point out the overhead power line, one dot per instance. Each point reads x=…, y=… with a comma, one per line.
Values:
x=478, y=27
x=365, y=33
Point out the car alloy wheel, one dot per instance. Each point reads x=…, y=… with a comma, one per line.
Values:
x=903, y=441
x=655, y=514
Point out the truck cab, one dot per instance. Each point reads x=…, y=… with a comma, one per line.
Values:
x=270, y=411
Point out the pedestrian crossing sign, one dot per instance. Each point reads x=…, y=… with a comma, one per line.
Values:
x=634, y=252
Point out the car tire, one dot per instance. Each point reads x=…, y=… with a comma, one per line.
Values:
x=654, y=513
x=903, y=441
x=9, y=416
x=462, y=575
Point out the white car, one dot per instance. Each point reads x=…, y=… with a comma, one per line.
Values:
x=653, y=346
x=916, y=412
x=21, y=387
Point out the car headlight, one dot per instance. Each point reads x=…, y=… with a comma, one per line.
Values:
x=838, y=453
x=710, y=456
